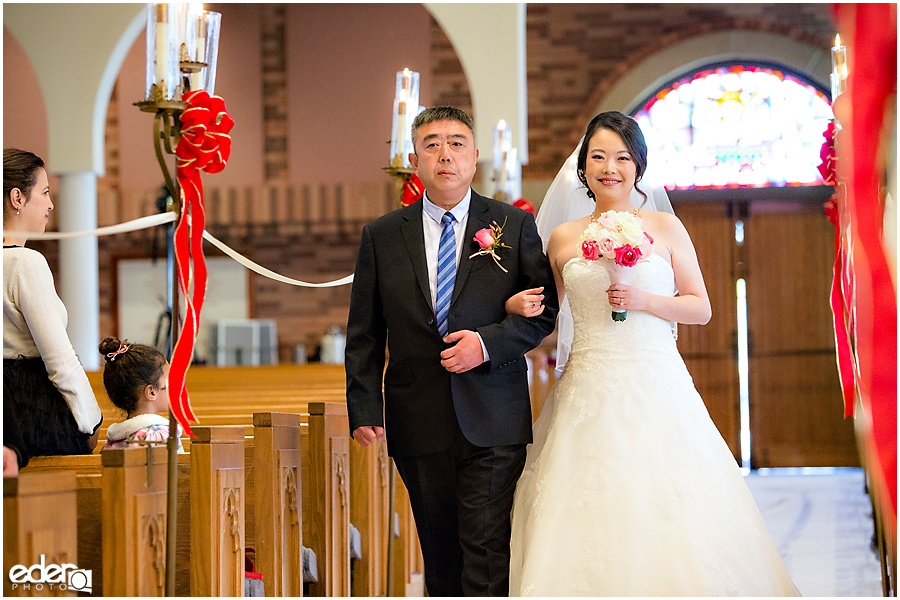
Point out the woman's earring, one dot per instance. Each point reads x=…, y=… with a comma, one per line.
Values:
x=18, y=211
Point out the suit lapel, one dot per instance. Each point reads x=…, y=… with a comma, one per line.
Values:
x=414, y=238
x=478, y=219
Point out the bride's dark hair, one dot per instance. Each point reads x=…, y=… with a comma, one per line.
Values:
x=630, y=132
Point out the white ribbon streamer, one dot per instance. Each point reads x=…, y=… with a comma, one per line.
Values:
x=168, y=217
x=135, y=225
x=266, y=272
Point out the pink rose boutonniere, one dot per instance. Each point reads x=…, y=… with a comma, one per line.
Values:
x=619, y=239
x=489, y=241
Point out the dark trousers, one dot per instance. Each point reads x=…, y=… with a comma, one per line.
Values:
x=461, y=499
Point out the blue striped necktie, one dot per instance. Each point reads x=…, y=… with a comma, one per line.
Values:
x=446, y=274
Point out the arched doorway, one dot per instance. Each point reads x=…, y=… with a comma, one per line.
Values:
x=737, y=145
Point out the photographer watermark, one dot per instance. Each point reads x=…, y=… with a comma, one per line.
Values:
x=51, y=577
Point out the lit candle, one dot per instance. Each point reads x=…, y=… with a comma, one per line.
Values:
x=838, y=68
x=162, y=45
x=407, y=82
x=406, y=106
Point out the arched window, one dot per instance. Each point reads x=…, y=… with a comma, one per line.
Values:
x=730, y=126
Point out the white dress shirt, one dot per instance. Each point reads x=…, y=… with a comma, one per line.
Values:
x=431, y=222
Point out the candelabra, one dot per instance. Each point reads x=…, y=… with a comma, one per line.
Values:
x=182, y=48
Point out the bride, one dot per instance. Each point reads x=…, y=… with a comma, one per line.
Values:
x=628, y=488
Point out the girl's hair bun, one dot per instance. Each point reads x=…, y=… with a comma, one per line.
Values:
x=108, y=346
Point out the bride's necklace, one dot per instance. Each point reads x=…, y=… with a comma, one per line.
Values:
x=595, y=219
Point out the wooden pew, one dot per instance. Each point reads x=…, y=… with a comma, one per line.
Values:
x=276, y=534
x=217, y=399
x=325, y=469
x=369, y=507
x=409, y=573
x=217, y=511
x=87, y=470
x=209, y=475
x=542, y=376
x=39, y=521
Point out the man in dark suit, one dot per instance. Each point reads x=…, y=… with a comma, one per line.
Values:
x=455, y=404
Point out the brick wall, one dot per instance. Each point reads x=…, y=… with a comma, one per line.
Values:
x=576, y=52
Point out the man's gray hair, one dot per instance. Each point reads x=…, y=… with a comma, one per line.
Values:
x=441, y=113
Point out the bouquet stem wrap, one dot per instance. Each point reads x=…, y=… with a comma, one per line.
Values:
x=618, y=274
x=204, y=145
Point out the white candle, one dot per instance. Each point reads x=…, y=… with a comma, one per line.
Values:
x=406, y=105
x=162, y=46
x=401, y=125
x=838, y=68
x=504, y=174
x=407, y=82
x=197, y=77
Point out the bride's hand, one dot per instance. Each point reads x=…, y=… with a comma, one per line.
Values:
x=527, y=303
x=626, y=297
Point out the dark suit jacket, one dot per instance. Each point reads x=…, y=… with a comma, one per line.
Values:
x=391, y=303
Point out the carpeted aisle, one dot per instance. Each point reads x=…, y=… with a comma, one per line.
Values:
x=821, y=523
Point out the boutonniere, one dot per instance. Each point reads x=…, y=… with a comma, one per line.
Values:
x=489, y=241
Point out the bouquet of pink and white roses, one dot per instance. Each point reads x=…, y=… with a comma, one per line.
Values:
x=620, y=240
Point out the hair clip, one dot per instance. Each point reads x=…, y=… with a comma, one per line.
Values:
x=112, y=355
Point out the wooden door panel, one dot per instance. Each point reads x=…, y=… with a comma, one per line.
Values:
x=707, y=349
x=796, y=415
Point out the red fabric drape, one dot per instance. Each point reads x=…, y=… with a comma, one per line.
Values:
x=872, y=64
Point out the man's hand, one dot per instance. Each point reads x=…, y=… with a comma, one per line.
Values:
x=92, y=441
x=10, y=462
x=466, y=354
x=368, y=434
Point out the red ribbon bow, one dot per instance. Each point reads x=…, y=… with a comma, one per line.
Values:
x=204, y=145
x=412, y=190
x=524, y=205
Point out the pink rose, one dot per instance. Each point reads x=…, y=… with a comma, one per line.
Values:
x=648, y=237
x=484, y=238
x=626, y=256
x=590, y=250
x=607, y=247
x=608, y=220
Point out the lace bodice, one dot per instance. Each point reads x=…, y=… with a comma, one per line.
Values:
x=596, y=333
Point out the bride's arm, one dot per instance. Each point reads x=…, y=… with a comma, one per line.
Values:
x=527, y=303
x=554, y=248
x=691, y=305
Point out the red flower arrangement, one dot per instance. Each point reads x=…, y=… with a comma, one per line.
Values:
x=828, y=156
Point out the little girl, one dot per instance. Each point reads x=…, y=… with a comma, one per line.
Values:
x=136, y=378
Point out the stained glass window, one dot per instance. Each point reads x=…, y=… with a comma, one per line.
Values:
x=735, y=126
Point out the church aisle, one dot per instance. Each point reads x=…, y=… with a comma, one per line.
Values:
x=821, y=523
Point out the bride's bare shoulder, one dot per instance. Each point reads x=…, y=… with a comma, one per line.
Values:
x=657, y=216
x=570, y=229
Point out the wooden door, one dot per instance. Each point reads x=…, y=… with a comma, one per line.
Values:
x=708, y=350
x=796, y=411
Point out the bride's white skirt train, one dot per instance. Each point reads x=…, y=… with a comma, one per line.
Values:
x=629, y=489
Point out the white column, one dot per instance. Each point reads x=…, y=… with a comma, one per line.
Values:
x=78, y=264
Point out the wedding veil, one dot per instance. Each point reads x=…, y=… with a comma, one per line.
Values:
x=567, y=200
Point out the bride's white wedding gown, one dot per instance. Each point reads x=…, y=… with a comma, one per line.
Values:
x=628, y=489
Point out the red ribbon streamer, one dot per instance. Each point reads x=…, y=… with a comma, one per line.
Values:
x=204, y=145
x=840, y=309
